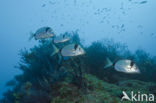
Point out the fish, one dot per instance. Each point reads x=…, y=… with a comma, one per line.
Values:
x=72, y=50
x=143, y=2
x=61, y=38
x=124, y=65
x=42, y=33
x=43, y=5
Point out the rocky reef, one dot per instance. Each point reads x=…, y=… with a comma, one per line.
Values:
x=81, y=79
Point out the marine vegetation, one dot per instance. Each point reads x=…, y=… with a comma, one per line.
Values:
x=80, y=79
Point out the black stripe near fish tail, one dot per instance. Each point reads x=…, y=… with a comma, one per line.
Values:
x=115, y=62
x=48, y=28
x=76, y=46
x=64, y=36
x=131, y=64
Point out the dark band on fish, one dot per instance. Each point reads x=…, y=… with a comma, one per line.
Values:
x=64, y=36
x=131, y=64
x=48, y=28
x=76, y=46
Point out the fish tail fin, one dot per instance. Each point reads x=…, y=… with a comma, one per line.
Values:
x=108, y=63
x=31, y=36
x=55, y=50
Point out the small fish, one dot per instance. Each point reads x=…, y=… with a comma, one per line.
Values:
x=152, y=34
x=42, y=33
x=122, y=26
x=143, y=2
x=61, y=38
x=125, y=65
x=43, y=5
x=72, y=50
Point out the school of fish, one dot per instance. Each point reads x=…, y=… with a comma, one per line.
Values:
x=71, y=50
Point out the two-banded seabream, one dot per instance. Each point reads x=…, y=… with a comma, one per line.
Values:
x=43, y=33
x=124, y=65
x=72, y=50
x=61, y=38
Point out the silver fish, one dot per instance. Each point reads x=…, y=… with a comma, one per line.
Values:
x=61, y=39
x=125, y=65
x=43, y=33
x=72, y=50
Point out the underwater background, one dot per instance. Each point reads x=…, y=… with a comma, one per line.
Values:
x=121, y=29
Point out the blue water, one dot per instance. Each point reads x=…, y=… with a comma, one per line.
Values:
x=129, y=22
